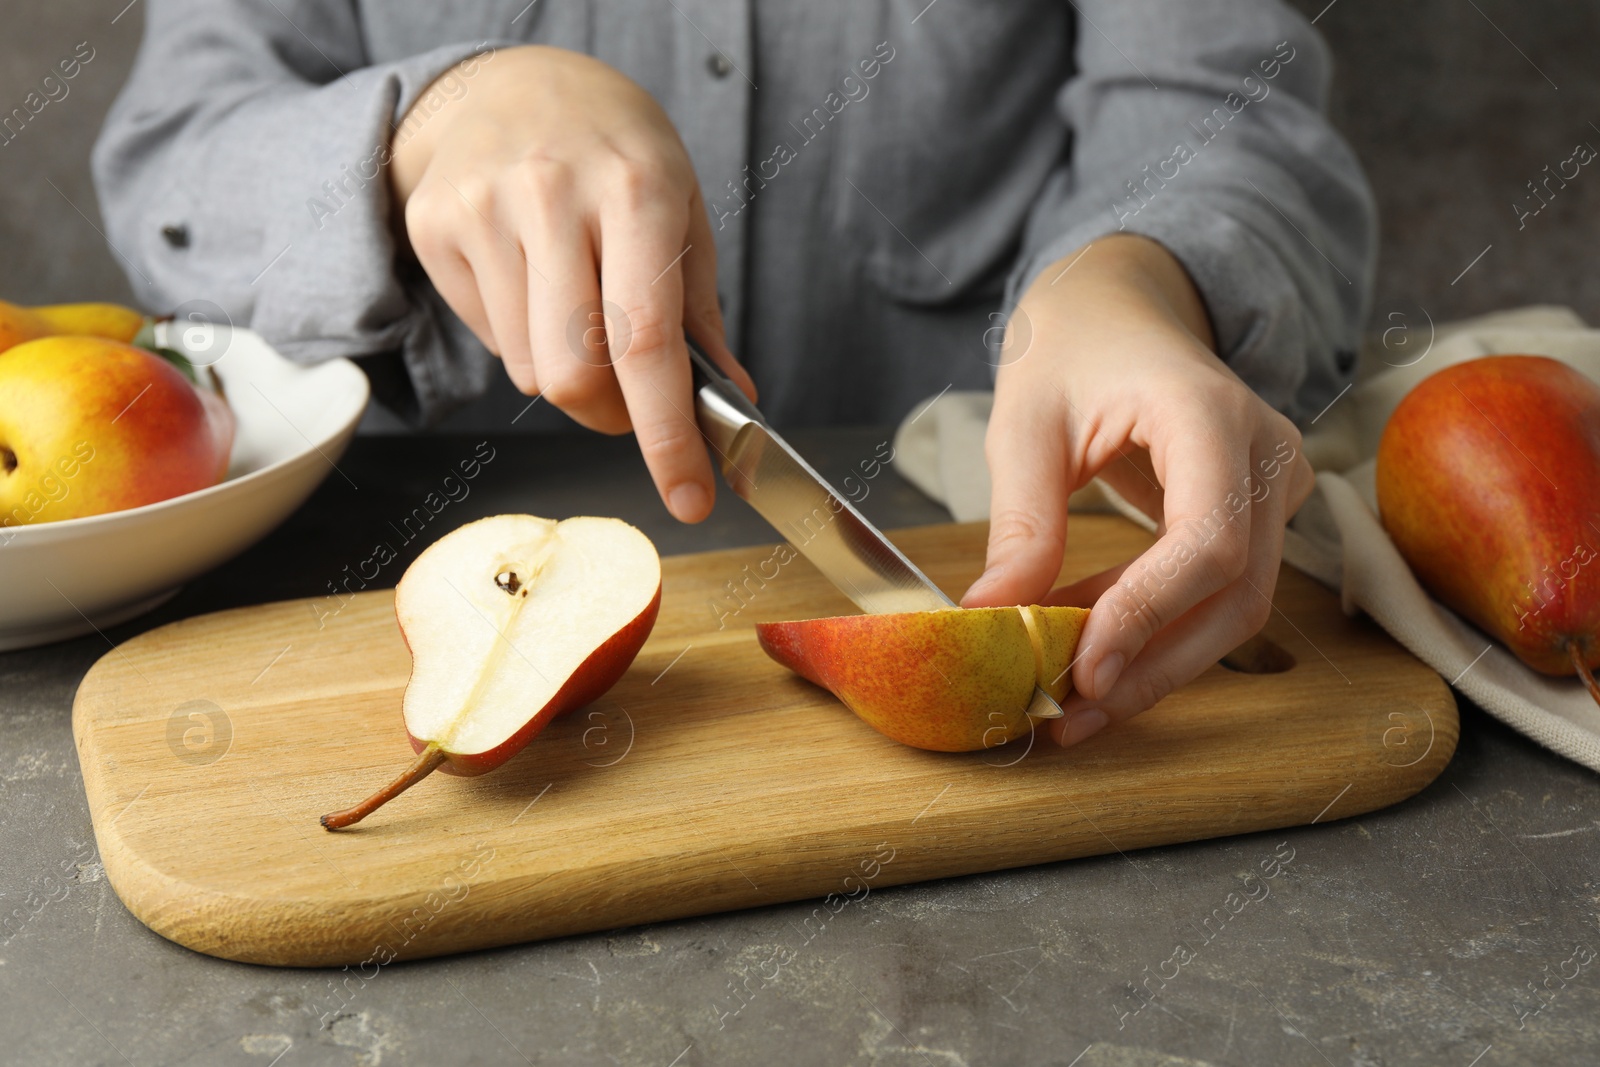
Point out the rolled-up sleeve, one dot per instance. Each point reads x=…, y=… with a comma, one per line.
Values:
x=244, y=164
x=1201, y=125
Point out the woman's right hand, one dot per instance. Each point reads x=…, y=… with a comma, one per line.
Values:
x=551, y=184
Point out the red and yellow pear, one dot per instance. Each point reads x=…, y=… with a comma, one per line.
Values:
x=954, y=680
x=511, y=621
x=1488, y=482
x=90, y=425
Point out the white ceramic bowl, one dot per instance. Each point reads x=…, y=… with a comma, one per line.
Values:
x=63, y=579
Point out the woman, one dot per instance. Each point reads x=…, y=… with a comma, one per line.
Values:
x=850, y=195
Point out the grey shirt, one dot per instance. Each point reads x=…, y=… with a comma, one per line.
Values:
x=884, y=178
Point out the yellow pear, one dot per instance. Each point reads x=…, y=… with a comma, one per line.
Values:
x=111, y=321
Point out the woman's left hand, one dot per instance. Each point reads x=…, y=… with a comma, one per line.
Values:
x=1119, y=381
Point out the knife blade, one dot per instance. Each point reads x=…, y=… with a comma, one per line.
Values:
x=768, y=474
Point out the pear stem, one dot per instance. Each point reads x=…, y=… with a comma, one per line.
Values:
x=1583, y=670
x=428, y=761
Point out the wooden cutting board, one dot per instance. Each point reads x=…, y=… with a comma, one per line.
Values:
x=708, y=779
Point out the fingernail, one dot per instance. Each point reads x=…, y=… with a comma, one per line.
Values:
x=1084, y=724
x=687, y=501
x=1107, y=673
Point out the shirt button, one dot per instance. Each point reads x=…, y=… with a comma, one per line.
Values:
x=719, y=65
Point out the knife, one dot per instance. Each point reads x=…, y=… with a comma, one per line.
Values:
x=762, y=468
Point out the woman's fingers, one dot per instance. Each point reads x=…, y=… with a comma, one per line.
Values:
x=1302, y=479
x=702, y=311
x=596, y=186
x=501, y=275
x=643, y=237
x=1189, y=645
x=566, y=322
x=1206, y=547
x=1032, y=471
x=434, y=225
x=596, y=324
x=1085, y=591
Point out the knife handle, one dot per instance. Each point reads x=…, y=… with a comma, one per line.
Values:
x=708, y=373
x=721, y=408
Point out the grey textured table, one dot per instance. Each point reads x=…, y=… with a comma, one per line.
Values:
x=1458, y=928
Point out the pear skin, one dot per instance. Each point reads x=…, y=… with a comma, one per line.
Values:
x=956, y=680
x=89, y=426
x=114, y=322
x=18, y=324
x=111, y=321
x=1488, y=482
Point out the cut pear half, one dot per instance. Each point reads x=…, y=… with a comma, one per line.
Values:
x=951, y=680
x=511, y=621
x=502, y=615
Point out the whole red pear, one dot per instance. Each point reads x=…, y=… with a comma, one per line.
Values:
x=1489, y=484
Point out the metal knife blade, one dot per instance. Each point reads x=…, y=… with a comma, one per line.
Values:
x=763, y=469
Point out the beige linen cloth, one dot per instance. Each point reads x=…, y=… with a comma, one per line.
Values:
x=1336, y=537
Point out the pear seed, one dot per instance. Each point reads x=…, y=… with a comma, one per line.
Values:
x=508, y=581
